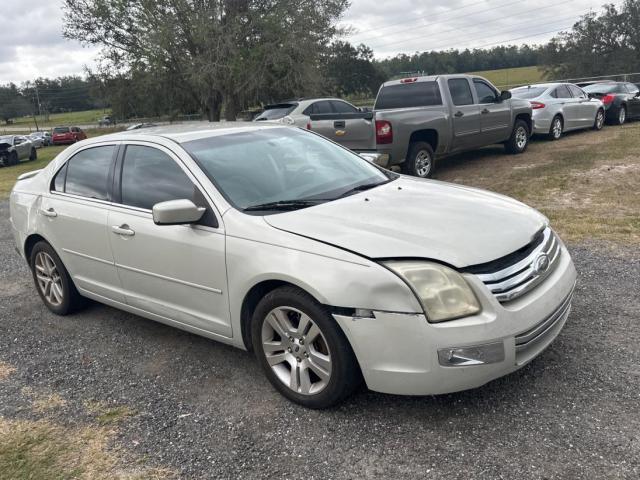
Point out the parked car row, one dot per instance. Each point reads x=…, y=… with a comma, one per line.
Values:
x=15, y=148
x=416, y=121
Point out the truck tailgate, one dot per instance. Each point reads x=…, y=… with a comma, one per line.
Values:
x=355, y=131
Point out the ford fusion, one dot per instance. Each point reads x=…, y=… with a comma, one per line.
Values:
x=275, y=240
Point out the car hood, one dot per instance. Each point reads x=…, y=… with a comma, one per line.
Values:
x=414, y=218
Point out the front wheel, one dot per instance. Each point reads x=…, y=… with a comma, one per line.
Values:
x=519, y=139
x=13, y=159
x=33, y=155
x=421, y=161
x=301, y=349
x=599, y=121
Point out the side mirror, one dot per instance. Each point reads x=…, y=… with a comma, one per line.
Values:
x=177, y=212
x=505, y=95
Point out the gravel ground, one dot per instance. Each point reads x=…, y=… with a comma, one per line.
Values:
x=204, y=409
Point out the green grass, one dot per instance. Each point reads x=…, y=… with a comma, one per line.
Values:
x=86, y=117
x=510, y=77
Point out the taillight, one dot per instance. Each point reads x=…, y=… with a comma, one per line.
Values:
x=608, y=99
x=537, y=105
x=384, y=132
x=308, y=125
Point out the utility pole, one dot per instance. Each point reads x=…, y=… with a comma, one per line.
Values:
x=37, y=96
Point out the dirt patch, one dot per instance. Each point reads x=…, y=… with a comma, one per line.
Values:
x=5, y=371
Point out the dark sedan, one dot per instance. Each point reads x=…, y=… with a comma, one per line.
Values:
x=621, y=100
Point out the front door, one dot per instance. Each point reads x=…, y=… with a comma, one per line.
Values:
x=495, y=114
x=73, y=218
x=634, y=100
x=177, y=272
x=465, y=115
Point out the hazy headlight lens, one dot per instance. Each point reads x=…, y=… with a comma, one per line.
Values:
x=444, y=293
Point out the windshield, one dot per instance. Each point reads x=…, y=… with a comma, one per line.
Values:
x=528, y=92
x=61, y=130
x=601, y=88
x=276, y=112
x=290, y=165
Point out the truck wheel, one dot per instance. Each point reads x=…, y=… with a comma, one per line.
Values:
x=519, y=140
x=421, y=161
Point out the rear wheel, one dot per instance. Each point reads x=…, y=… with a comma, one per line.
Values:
x=519, y=138
x=622, y=115
x=54, y=285
x=555, y=132
x=302, y=351
x=34, y=155
x=599, y=121
x=421, y=161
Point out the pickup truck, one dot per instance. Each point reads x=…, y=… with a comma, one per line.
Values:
x=418, y=120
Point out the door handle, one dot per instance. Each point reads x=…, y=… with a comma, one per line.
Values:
x=485, y=111
x=340, y=124
x=458, y=114
x=50, y=212
x=123, y=230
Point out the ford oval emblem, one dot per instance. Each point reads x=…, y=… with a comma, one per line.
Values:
x=541, y=264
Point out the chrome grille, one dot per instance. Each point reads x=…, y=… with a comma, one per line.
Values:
x=516, y=279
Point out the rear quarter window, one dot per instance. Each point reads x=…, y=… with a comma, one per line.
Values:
x=406, y=95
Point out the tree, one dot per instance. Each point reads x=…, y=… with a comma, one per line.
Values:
x=351, y=71
x=12, y=103
x=223, y=52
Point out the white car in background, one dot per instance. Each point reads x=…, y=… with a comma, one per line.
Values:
x=561, y=107
x=274, y=239
x=297, y=112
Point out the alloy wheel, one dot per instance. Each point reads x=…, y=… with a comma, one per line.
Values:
x=296, y=350
x=521, y=138
x=423, y=163
x=622, y=116
x=49, y=279
x=600, y=120
x=557, y=128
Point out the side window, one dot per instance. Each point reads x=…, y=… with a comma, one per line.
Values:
x=460, y=91
x=563, y=92
x=322, y=107
x=577, y=92
x=343, y=107
x=485, y=93
x=150, y=176
x=633, y=89
x=88, y=172
x=60, y=178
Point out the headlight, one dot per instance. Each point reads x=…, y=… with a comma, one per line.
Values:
x=443, y=292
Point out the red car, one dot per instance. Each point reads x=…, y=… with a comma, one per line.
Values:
x=63, y=135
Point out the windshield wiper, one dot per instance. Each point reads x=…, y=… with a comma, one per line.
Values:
x=362, y=188
x=283, y=205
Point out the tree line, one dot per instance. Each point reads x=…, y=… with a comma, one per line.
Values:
x=219, y=57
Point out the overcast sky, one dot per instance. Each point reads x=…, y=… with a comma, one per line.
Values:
x=31, y=42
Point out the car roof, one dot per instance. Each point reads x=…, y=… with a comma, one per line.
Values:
x=182, y=133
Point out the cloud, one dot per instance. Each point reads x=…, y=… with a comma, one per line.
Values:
x=33, y=45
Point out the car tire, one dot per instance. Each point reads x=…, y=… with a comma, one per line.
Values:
x=598, y=123
x=420, y=161
x=13, y=159
x=53, y=282
x=557, y=128
x=519, y=140
x=34, y=155
x=622, y=115
x=308, y=358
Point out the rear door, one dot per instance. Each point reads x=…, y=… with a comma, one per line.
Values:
x=466, y=115
x=495, y=114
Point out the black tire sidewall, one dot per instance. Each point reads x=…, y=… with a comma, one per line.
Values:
x=69, y=292
x=345, y=373
x=33, y=156
x=13, y=159
x=410, y=164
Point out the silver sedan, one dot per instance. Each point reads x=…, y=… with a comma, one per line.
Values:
x=561, y=107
